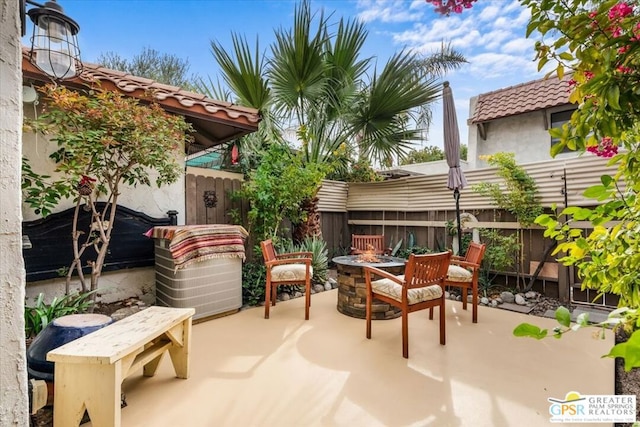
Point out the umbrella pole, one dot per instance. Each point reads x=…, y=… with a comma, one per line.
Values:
x=456, y=196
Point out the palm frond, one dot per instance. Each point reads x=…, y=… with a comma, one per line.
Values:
x=297, y=68
x=244, y=73
x=440, y=63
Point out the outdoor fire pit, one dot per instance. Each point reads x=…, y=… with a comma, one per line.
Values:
x=352, y=288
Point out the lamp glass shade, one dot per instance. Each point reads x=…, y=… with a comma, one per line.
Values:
x=54, y=47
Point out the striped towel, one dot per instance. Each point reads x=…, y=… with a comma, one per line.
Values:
x=194, y=243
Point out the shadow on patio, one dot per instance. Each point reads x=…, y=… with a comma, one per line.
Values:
x=248, y=371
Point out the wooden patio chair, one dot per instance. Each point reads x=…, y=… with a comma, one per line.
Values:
x=362, y=243
x=292, y=268
x=463, y=273
x=421, y=287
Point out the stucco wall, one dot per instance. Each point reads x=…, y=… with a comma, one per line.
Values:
x=114, y=286
x=13, y=373
x=524, y=135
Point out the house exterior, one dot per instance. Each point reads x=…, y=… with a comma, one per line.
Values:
x=215, y=123
x=517, y=119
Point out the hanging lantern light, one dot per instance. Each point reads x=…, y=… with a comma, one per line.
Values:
x=54, y=44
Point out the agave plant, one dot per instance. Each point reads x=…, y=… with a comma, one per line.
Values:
x=320, y=259
x=38, y=316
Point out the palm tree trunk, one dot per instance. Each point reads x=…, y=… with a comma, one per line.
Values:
x=311, y=227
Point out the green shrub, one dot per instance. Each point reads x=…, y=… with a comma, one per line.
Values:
x=40, y=315
x=254, y=278
x=418, y=250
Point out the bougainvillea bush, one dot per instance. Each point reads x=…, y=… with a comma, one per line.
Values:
x=599, y=43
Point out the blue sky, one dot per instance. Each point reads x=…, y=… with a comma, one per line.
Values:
x=491, y=35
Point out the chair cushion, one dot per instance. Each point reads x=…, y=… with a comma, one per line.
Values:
x=459, y=274
x=393, y=290
x=290, y=272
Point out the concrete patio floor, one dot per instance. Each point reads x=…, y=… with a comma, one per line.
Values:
x=285, y=371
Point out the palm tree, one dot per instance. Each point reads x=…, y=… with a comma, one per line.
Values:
x=317, y=83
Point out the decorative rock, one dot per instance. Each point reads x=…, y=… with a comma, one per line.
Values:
x=285, y=297
x=124, y=312
x=520, y=300
x=458, y=298
x=318, y=288
x=447, y=295
x=507, y=297
x=499, y=300
x=327, y=286
x=469, y=298
x=494, y=303
x=531, y=295
x=484, y=301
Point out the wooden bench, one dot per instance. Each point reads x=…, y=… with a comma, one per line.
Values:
x=89, y=371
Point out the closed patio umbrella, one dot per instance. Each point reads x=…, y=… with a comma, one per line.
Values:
x=456, y=180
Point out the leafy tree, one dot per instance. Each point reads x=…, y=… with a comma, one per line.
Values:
x=316, y=84
x=597, y=41
x=275, y=188
x=104, y=140
x=427, y=154
x=517, y=194
x=359, y=171
x=150, y=63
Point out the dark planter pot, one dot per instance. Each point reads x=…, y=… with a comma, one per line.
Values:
x=57, y=333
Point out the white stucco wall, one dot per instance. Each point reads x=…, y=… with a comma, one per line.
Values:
x=432, y=168
x=114, y=286
x=524, y=135
x=13, y=372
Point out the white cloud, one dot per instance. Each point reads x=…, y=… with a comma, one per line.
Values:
x=519, y=45
x=493, y=40
x=489, y=13
x=388, y=11
x=493, y=65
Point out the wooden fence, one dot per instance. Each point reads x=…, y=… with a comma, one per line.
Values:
x=418, y=209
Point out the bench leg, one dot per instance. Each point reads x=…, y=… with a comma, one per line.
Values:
x=93, y=387
x=180, y=353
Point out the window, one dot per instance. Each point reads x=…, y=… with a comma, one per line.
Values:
x=557, y=120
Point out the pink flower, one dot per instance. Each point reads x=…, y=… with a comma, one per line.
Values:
x=588, y=75
x=606, y=148
x=617, y=31
x=445, y=7
x=619, y=11
x=624, y=49
x=624, y=69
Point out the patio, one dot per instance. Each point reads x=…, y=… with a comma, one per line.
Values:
x=248, y=371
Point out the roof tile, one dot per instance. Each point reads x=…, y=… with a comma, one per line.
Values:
x=522, y=98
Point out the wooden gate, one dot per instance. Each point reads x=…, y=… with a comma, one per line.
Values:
x=208, y=197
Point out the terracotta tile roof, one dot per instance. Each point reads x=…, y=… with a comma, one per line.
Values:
x=522, y=98
x=216, y=122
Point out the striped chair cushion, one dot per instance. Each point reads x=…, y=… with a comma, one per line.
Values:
x=290, y=272
x=459, y=274
x=393, y=290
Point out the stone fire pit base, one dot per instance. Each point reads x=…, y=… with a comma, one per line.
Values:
x=352, y=293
